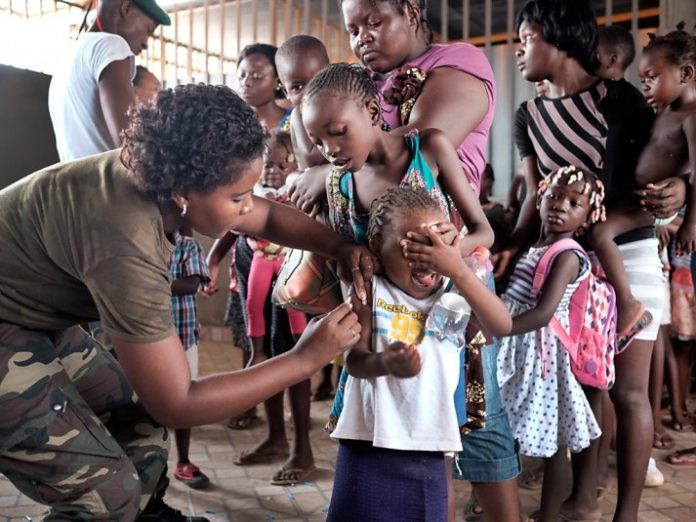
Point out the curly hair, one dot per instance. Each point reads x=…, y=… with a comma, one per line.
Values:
x=395, y=202
x=678, y=47
x=190, y=137
x=351, y=80
x=593, y=188
x=570, y=25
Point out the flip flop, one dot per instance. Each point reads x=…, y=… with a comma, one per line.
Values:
x=287, y=476
x=623, y=339
x=249, y=457
x=662, y=441
x=682, y=426
x=243, y=421
x=676, y=458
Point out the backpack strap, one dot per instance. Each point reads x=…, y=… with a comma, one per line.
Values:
x=576, y=310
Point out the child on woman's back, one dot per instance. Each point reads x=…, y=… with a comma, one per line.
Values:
x=546, y=405
x=399, y=418
x=668, y=74
x=298, y=60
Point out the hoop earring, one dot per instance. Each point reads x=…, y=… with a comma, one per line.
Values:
x=184, y=210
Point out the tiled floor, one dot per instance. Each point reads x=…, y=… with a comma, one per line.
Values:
x=244, y=493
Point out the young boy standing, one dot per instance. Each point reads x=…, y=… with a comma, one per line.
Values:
x=189, y=273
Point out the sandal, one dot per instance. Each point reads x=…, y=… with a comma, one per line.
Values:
x=685, y=457
x=684, y=425
x=243, y=421
x=288, y=476
x=249, y=457
x=623, y=339
x=662, y=441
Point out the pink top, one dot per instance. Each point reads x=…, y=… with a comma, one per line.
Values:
x=471, y=60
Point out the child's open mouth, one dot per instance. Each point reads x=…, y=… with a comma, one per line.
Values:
x=424, y=279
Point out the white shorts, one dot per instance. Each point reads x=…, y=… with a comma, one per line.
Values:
x=644, y=269
x=192, y=356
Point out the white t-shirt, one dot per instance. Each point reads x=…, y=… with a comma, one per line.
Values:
x=73, y=96
x=414, y=414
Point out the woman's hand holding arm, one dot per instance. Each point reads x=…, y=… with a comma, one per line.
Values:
x=160, y=375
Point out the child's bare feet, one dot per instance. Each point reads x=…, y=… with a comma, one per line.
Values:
x=576, y=510
x=265, y=451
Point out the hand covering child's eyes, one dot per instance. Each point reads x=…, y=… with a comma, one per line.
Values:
x=447, y=231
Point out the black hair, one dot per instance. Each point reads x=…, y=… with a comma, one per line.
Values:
x=570, y=25
x=678, y=47
x=593, y=188
x=402, y=6
x=301, y=44
x=619, y=40
x=267, y=50
x=282, y=139
x=396, y=200
x=488, y=171
x=342, y=78
x=191, y=137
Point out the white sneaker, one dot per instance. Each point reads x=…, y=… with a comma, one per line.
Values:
x=654, y=477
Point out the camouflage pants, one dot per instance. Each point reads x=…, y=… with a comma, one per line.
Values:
x=72, y=434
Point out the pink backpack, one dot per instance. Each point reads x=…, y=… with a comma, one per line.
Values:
x=591, y=339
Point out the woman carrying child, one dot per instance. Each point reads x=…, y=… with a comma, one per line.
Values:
x=600, y=126
x=399, y=418
x=546, y=405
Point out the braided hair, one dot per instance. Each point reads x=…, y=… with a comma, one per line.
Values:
x=678, y=47
x=394, y=202
x=351, y=80
x=593, y=188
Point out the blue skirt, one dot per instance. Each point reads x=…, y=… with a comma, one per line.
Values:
x=383, y=485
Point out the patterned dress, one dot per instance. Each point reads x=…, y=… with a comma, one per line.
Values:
x=544, y=401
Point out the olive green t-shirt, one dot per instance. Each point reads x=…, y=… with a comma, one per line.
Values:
x=79, y=242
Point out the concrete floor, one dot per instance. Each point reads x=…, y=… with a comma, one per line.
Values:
x=244, y=493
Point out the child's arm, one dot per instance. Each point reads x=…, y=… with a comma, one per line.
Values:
x=446, y=259
x=686, y=236
x=306, y=153
x=563, y=271
x=400, y=360
x=217, y=253
x=186, y=285
x=437, y=147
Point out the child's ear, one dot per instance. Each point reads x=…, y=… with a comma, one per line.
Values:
x=374, y=248
x=375, y=111
x=688, y=73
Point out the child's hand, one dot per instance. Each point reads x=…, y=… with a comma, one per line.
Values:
x=402, y=360
x=686, y=238
x=437, y=256
x=447, y=231
x=663, y=237
x=211, y=288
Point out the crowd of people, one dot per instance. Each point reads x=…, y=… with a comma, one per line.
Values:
x=452, y=365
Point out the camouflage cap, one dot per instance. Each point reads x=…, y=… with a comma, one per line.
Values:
x=154, y=11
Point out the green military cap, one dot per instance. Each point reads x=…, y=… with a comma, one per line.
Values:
x=151, y=9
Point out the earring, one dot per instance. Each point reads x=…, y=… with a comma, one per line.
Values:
x=279, y=87
x=183, y=210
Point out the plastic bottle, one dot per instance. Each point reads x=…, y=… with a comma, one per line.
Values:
x=480, y=263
